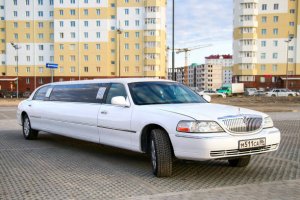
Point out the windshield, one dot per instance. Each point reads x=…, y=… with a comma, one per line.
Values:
x=146, y=93
x=224, y=88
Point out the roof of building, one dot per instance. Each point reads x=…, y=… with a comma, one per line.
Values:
x=225, y=56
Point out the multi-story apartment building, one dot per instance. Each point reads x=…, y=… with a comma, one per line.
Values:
x=86, y=38
x=200, y=77
x=226, y=62
x=266, y=43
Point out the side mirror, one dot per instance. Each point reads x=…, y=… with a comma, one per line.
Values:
x=207, y=98
x=120, y=101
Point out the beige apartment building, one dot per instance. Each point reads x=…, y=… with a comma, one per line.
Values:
x=266, y=43
x=200, y=77
x=86, y=38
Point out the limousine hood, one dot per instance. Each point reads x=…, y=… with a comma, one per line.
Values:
x=206, y=111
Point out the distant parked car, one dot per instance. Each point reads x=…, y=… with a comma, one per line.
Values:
x=212, y=93
x=250, y=91
x=259, y=93
x=281, y=93
x=26, y=94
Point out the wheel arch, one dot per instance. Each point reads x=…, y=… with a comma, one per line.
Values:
x=146, y=134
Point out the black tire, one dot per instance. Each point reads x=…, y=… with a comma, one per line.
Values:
x=240, y=161
x=161, y=153
x=290, y=95
x=273, y=95
x=28, y=132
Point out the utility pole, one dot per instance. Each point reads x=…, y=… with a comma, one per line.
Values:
x=17, y=47
x=173, y=41
x=287, y=60
x=119, y=32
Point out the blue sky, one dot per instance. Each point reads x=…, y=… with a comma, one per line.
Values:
x=200, y=22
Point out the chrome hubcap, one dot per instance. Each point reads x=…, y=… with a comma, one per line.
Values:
x=153, y=155
x=26, y=127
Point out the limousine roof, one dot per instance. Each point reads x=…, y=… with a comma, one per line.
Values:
x=112, y=80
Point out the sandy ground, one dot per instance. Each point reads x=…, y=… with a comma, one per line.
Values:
x=264, y=104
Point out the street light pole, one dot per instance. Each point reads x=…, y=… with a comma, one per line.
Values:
x=287, y=60
x=173, y=40
x=119, y=32
x=17, y=47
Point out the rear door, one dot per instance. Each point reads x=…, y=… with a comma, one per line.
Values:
x=114, y=121
x=72, y=111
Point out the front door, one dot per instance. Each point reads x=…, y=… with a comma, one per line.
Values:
x=114, y=121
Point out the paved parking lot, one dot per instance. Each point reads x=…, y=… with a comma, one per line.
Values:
x=56, y=167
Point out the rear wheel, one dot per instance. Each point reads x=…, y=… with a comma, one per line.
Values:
x=28, y=132
x=290, y=95
x=273, y=95
x=161, y=153
x=240, y=161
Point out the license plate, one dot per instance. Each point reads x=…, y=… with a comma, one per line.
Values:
x=250, y=144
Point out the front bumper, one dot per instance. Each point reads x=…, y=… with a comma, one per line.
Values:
x=221, y=145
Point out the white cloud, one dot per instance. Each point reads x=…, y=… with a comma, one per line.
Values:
x=201, y=22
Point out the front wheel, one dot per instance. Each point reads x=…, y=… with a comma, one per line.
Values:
x=161, y=153
x=28, y=132
x=240, y=161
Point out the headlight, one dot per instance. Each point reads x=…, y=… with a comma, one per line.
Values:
x=198, y=127
x=268, y=122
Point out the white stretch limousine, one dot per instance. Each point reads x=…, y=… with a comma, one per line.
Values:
x=163, y=118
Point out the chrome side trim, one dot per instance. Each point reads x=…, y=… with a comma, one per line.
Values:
x=115, y=129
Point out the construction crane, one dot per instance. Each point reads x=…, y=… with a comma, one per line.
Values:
x=186, y=50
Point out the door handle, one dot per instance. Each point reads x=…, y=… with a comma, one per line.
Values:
x=103, y=112
x=29, y=105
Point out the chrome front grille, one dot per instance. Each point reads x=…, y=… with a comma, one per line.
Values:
x=242, y=123
x=236, y=152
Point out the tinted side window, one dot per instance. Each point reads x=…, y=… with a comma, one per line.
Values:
x=40, y=94
x=87, y=93
x=116, y=89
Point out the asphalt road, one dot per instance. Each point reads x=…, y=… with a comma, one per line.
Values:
x=56, y=167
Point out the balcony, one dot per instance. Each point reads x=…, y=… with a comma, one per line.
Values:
x=249, y=1
x=248, y=48
x=249, y=11
x=152, y=50
x=246, y=60
x=252, y=23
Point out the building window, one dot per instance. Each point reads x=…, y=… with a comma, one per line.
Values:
x=137, y=11
x=72, y=23
x=98, y=12
x=126, y=46
x=28, y=69
x=291, y=48
x=275, y=31
x=263, y=55
x=137, y=22
x=27, y=80
x=263, y=43
x=126, y=57
x=98, y=69
x=275, y=19
x=15, y=14
x=61, y=12
x=72, y=12
x=86, y=34
x=292, y=23
x=126, y=11
x=86, y=58
x=276, y=6
x=40, y=13
x=137, y=46
x=275, y=55
x=126, y=22
x=292, y=11
x=126, y=69
x=98, y=57
x=263, y=68
x=86, y=12
x=41, y=70
x=98, y=34
x=27, y=14
x=86, y=46
x=72, y=69
x=137, y=34
x=86, y=69
x=264, y=6
x=61, y=69
x=126, y=34
x=98, y=23
x=263, y=31
x=262, y=79
x=98, y=46
x=15, y=2
x=61, y=46
x=264, y=19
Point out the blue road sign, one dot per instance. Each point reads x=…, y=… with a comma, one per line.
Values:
x=52, y=65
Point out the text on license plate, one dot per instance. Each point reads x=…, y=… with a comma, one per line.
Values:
x=248, y=144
